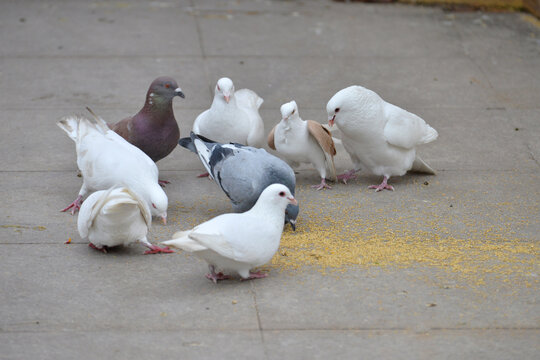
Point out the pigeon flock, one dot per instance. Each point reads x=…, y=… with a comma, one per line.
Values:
x=117, y=162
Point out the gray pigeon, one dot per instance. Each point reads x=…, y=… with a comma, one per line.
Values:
x=243, y=172
x=154, y=129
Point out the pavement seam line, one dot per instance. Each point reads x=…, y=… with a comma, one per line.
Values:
x=259, y=323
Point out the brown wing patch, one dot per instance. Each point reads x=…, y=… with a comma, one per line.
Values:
x=271, y=139
x=122, y=128
x=323, y=137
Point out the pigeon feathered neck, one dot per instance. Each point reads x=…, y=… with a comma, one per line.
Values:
x=157, y=108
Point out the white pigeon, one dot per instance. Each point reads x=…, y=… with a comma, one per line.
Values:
x=232, y=117
x=378, y=135
x=239, y=242
x=105, y=160
x=116, y=216
x=302, y=141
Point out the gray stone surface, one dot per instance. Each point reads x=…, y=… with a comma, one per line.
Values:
x=475, y=77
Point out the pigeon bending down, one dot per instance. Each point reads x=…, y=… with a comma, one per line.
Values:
x=378, y=135
x=105, y=160
x=239, y=242
x=232, y=117
x=154, y=129
x=243, y=172
x=116, y=216
x=302, y=141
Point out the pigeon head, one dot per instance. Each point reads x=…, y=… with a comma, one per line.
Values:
x=277, y=195
x=291, y=213
x=289, y=111
x=341, y=102
x=163, y=90
x=158, y=202
x=225, y=88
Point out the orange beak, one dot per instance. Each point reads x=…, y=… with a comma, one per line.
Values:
x=227, y=98
x=164, y=220
x=292, y=200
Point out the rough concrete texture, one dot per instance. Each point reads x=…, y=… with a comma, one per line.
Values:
x=448, y=265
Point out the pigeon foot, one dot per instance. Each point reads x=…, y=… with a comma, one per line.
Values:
x=154, y=249
x=162, y=183
x=382, y=186
x=256, y=275
x=203, y=175
x=322, y=185
x=215, y=277
x=347, y=175
x=103, y=249
x=74, y=206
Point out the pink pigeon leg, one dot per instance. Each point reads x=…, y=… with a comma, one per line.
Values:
x=154, y=249
x=162, y=183
x=103, y=249
x=215, y=277
x=256, y=275
x=383, y=186
x=76, y=205
x=322, y=185
x=347, y=175
x=205, y=174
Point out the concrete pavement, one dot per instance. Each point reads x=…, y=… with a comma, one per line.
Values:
x=447, y=266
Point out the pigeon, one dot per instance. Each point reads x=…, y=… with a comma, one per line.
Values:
x=239, y=242
x=243, y=172
x=116, y=216
x=378, y=135
x=232, y=117
x=154, y=129
x=302, y=141
x=105, y=159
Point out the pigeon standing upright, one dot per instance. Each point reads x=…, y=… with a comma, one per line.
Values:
x=302, y=141
x=154, y=129
x=232, y=117
x=116, y=216
x=239, y=242
x=378, y=135
x=105, y=160
x=243, y=172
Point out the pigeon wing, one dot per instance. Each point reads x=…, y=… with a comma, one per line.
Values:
x=270, y=140
x=406, y=130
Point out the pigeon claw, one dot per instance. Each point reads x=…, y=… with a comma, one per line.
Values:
x=348, y=175
x=162, y=183
x=74, y=206
x=256, y=275
x=103, y=249
x=321, y=186
x=215, y=277
x=154, y=249
x=203, y=175
x=382, y=186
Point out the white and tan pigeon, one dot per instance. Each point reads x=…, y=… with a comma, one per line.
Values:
x=232, y=117
x=116, y=216
x=378, y=135
x=237, y=243
x=300, y=141
x=105, y=160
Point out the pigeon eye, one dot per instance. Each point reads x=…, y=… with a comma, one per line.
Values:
x=282, y=193
x=293, y=111
x=167, y=85
x=154, y=206
x=337, y=110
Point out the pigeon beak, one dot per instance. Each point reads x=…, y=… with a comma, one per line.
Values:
x=292, y=200
x=293, y=224
x=227, y=98
x=331, y=120
x=179, y=92
x=164, y=219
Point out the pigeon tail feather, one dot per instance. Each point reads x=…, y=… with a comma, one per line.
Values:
x=421, y=166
